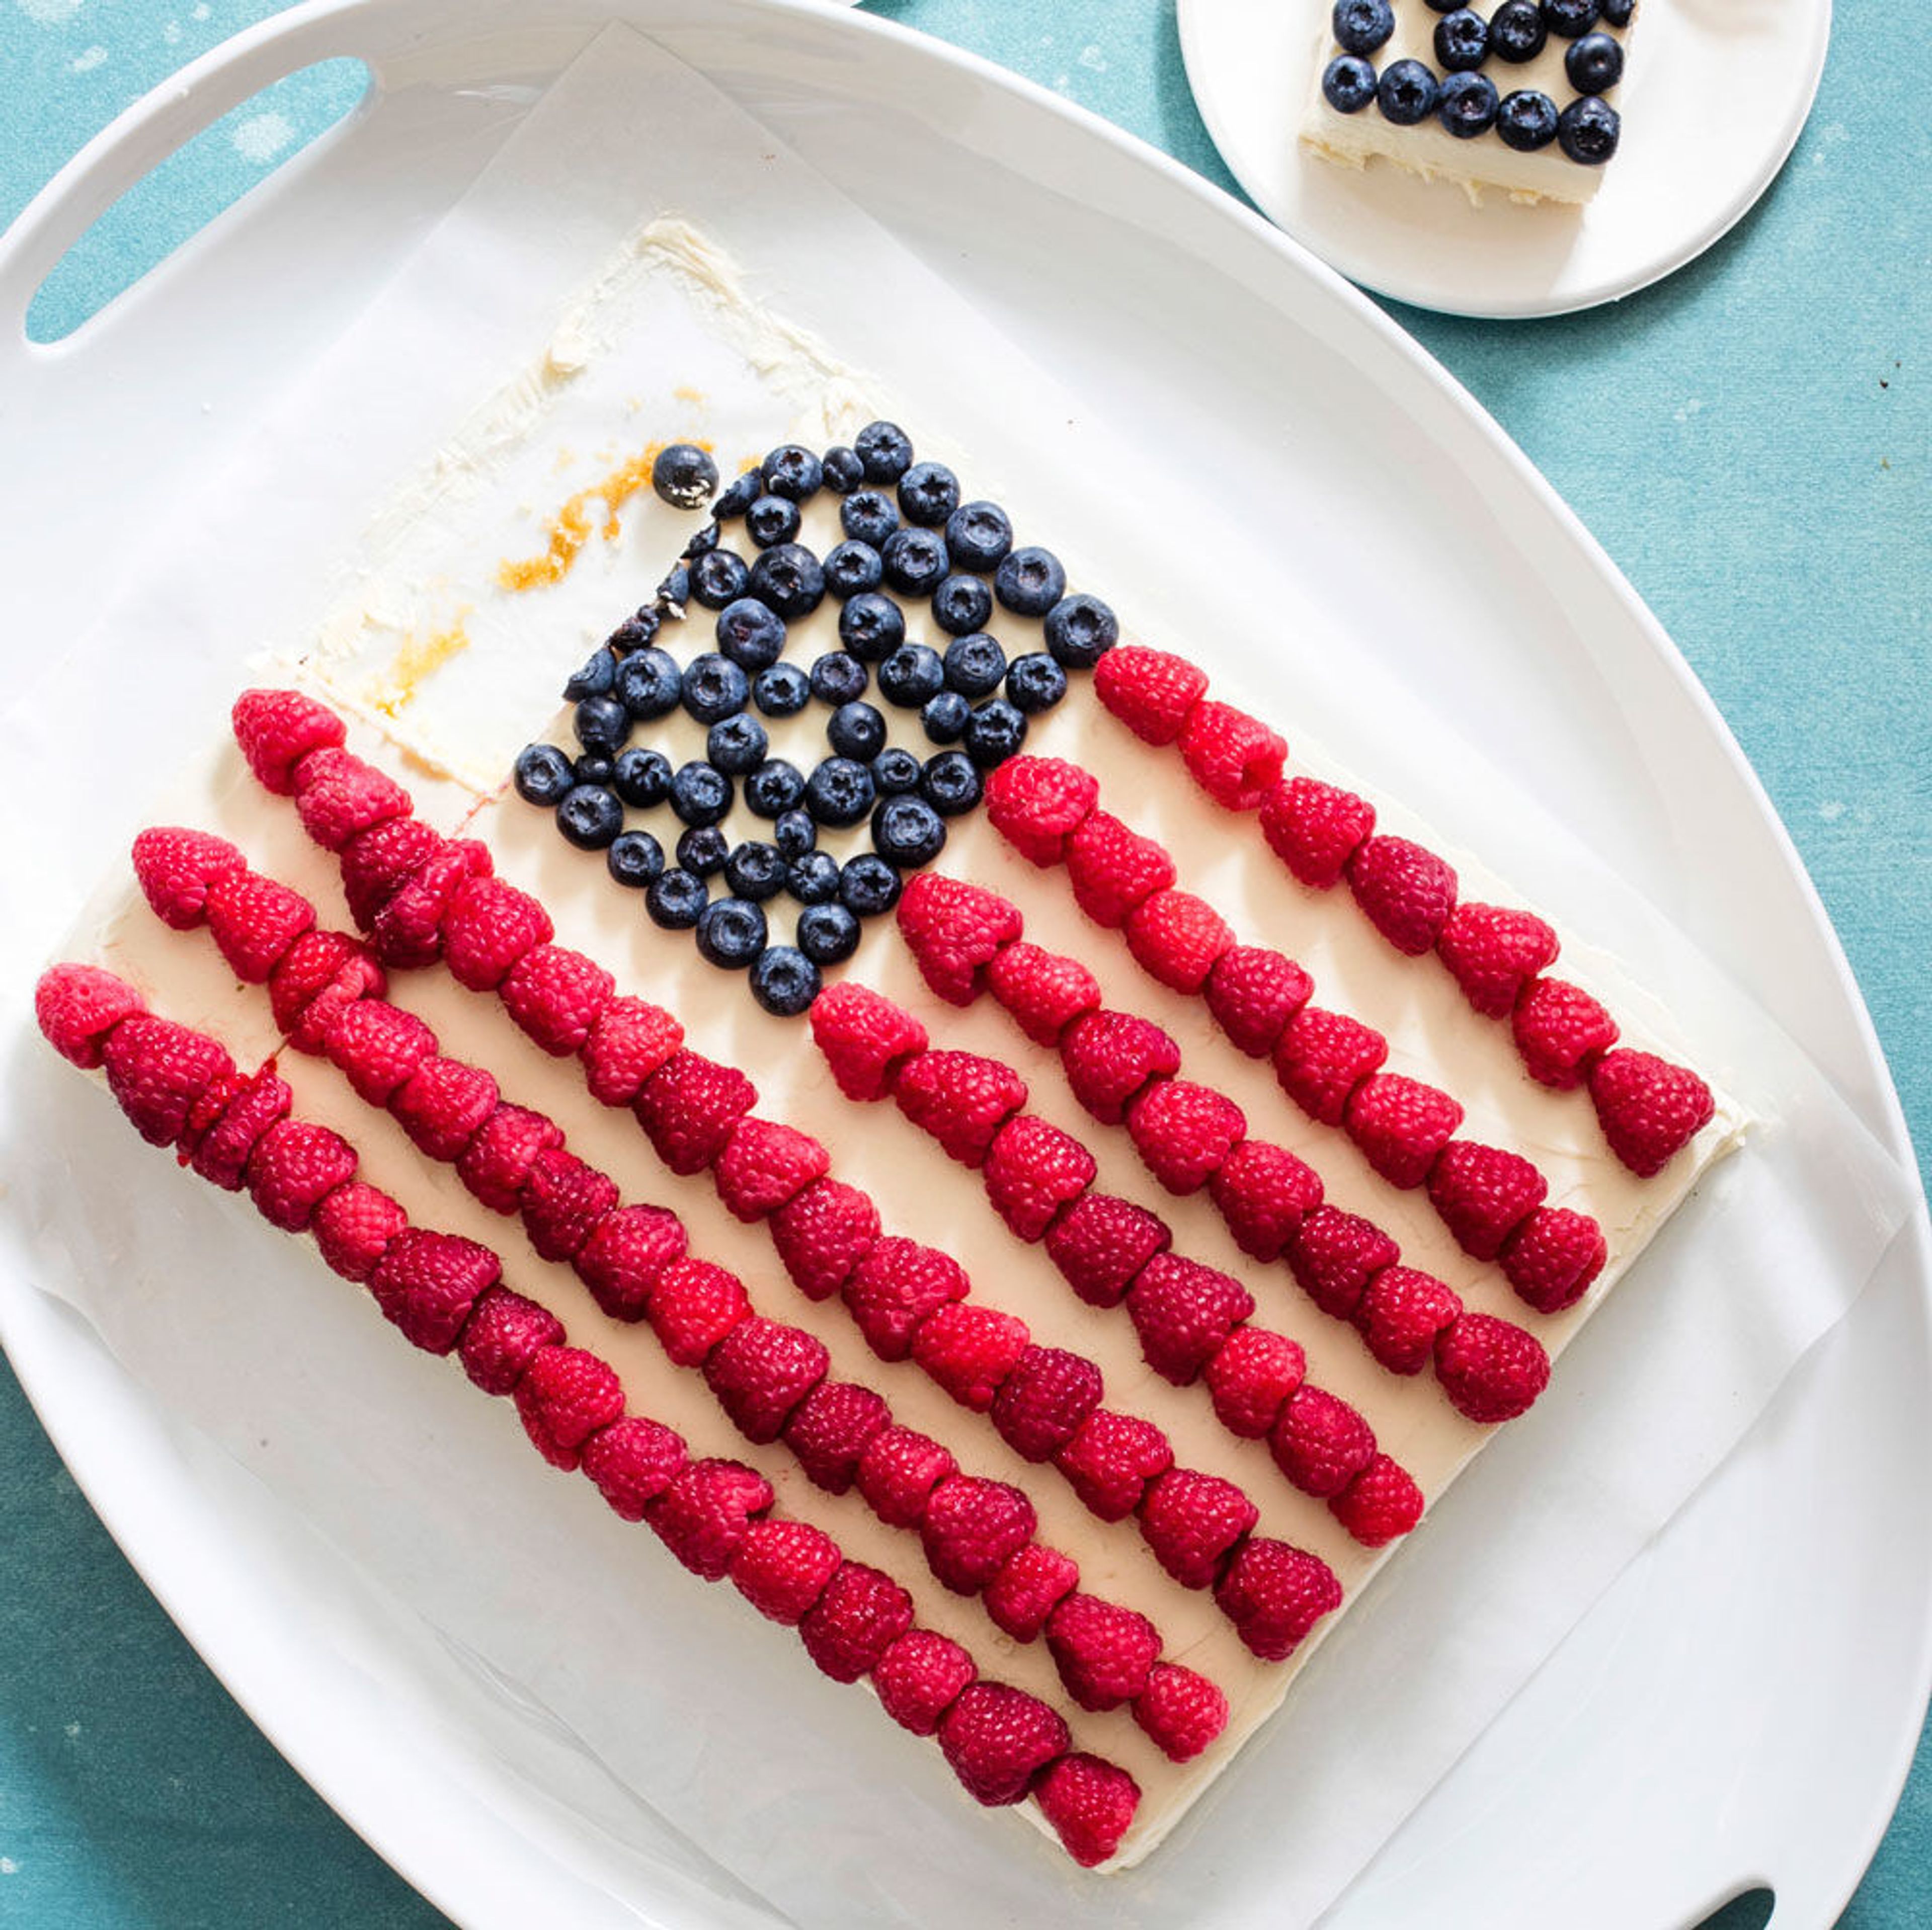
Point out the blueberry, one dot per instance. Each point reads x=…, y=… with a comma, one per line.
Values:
x=755, y=870
x=1462, y=40
x=1030, y=581
x=843, y=471
x=871, y=626
x=641, y=777
x=1569, y=19
x=885, y=450
x=994, y=732
x=1445, y=6
x=635, y=858
x=785, y=981
x=837, y=678
x=1361, y=26
x=1526, y=121
x=1616, y=13
x=730, y=933
x=648, y=684
x=857, y=731
x=945, y=716
x=911, y=674
x=739, y=495
x=589, y=816
x=928, y=494
x=1080, y=631
x=719, y=578
x=635, y=632
x=1466, y=106
x=974, y=665
x=702, y=543
x=962, y=605
x=594, y=679
x=542, y=775
x=593, y=768
x=827, y=934
x=714, y=687
x=772, y=519
x=675, y=899
x=1587, y=130
x=1348, y=83
x=775, y=788
x=1406, y=93
x=908, y=832
x=1594, y=65
x=839, y=791
x=793, y=832
x=701, y=793
x=1516, y=31
x=852, y=568
x=684, y=476
x=895, y=771
x=812, y=878
x=978, y=535
x=702, y=850
x=602, y=725
x=674, y=593
x=915, y=561
x=737, y=745
x=789, y=578
x=782, y=691
x=869, y=516
x=1035, y=683
x=951, y=783
x=750, y=634
x=869, y=886
x=793, y=471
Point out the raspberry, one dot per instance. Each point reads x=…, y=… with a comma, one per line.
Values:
x=175, y=869
x=1033, y=1170
x=443, y=1105
x=338, y=794
x=1182, y=1711
x=704, y=1514
x=1184, y=1132
x=830, y=1429
x=1314, y=828
x=488, y=926
x=1322, y=1058
x=972, y=1527
x=783, y=1568
x=253, y=922
x=1252, y=1377
x=222, y=1154
x=823, y=1234
x=204, y=1115
x=1320, y=1442
x=920, y=1677
x=353, y=1226
x=1103, y=1652
x=503, y=1334
x=323, y=973
x=1561, y=1032
x=954, y=930
x=998, y=1740
x=1649, y=1109
x=1044, y=992
x=625, y=1257
x=898, y=1470
x=276, y=728
x=689, y=1106
x=500, y=1159
x=1381, y=1502
x=426, y=1283
x=1400, y=1314
x=1552, y=1257
x=293, y=1166
x=693, y=1306
x=1113, y=870
x=763, y=1164
x=1150, y=691
x=1491, y=1370
x=1110, y=1057
x=1025, y=1591
x=1042, y=1403
x=632, y=1462
x=761, y=1370
x=1263, y=1193
x=1111, y=1459
x=970, y=1351
x=1036, y=803
x=628, y=1041
x=1235, y=758
x=1406, y=892
x=1400, y=1124
x=962, y=1099
x=1184, y=1312
x=1176, y=937
x=866, y=1038
x=409, y=929
x=1090, y=1802
x=1101, y=1243
x=1334, y=1255
x=77, y=1007
x=860, y=1615
x=1492, y=953
x=1253, y=993
x=378, y=1047
x=554, y=996
x=896, y=1285
x=1483, y=1194
x=562, y=1203
x=1274, y=1595
x=1191, y=1520
x=377, y=863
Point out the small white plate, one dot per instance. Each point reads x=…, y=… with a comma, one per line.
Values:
x=1715, y=96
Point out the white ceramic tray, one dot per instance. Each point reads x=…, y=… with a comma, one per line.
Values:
x=1742, y=1706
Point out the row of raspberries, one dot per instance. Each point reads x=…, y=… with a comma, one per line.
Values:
x=1192, y=1320
x=180, y=1088
x=1500, y=957
x=771, y=1378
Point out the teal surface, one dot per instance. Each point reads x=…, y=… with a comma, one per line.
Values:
x=1750, y=442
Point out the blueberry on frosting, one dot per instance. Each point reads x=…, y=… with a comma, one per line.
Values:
x=684, y=476
x=1517, y=31
x=1466, y=105
x=1587, y=130
x=1406, y=93
x=1594, y=64
x=1348, y=83
x=1461, y=43
x=1361, y=26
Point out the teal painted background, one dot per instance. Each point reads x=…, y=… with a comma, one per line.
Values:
x=1749, y=440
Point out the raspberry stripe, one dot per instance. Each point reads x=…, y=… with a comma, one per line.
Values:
x=718, y=1518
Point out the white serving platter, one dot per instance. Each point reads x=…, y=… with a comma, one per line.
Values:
x=1648, y=1772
